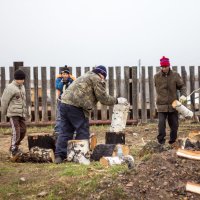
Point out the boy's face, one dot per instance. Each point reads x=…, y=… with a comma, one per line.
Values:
x=165, y=69
x=65, y=75
x=20, y=82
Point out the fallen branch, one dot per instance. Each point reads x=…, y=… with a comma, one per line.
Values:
x=193, y=187
x=195, y=155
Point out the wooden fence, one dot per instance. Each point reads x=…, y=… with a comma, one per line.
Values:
x=138, y=89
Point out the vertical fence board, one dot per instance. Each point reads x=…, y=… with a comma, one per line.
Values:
x=143, y=97
x=158, y=69
x=27, y=85
x=118, y=81
x=192, y=87
x=44, y=94
x=151, y=93
x=127, y=85
x=87, y=69
x=36, y=98
x=53, y=93
x=184, y=75
x=199, y=84
x=17, y=65
x=78, y=72
x=2, y=87
x=174, y=68
x=111, y=88
x=11, y=70
x=134, y=94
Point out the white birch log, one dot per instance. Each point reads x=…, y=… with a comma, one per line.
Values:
x=119, y=117
x=195, y=155
x=193, y=187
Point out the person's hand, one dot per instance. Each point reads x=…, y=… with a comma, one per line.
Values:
x=183, y=99
x=122, y=100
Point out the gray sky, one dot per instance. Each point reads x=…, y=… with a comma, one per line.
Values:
x=93, y=32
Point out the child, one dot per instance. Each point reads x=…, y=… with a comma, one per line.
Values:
x=13, y=105
x=62, y=83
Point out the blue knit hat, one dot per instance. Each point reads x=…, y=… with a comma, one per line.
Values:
x=100, y=70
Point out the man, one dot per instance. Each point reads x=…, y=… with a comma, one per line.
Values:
x=13, y=105
x=76, y=103
x=62, y=82
x=167, y=83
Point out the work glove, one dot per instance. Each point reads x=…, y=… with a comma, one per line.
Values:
x=183, y=99
x=122, y=100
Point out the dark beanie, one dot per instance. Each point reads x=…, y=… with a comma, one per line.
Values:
x=66, y=71
x=19, y=75
x=100, y=70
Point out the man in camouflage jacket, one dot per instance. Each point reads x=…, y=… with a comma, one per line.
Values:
x=76, y=103
x=167, y=83
x=13, y=105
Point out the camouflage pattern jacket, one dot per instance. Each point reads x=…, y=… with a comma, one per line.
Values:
x=167, y=86
x=13, y=101
x=86, y=91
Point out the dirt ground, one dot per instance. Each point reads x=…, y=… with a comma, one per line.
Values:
x=160, y=175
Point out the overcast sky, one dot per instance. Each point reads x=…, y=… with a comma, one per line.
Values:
x=93, y=32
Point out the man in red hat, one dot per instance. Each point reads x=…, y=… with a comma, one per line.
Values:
x=167, y=83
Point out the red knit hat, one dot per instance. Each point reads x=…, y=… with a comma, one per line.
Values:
x=164, y=62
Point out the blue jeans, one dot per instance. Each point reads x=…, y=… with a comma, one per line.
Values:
x=72, y=120
x=57, y=126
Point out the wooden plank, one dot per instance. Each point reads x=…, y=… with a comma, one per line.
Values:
x=11, y=70
x=118, y=81
x=199, y=84
x=127, y=85
x=44, y=94
x=78, y=72
x=143, y=97
x=87, y=69
x=53, y=92
x=36, y=96
x=95, y=110
x=17, y=65
x=27, y=86
x=174, y=68
x=158, y=69
x=151, y=93
x=2, y=87
x=184, y=75
x=192, y=88
x=134, y=93
x=111, y=88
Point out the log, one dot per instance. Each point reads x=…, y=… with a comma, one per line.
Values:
x=78, y=151
x=115, y=138
x=42, y=141
x=93, y=141
x=108, y=150
x=119, y=117
x=193, y=187
x=195, y=155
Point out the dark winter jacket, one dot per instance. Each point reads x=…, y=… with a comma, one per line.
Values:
x=167, y=86
x=86, y=91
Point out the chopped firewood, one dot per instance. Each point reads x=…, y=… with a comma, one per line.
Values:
x=109, y=161
x=194, y=135
x=93, y=141
x=193, y=187
x=195, y=155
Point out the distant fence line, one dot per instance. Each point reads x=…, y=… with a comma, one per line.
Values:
x=139, y=91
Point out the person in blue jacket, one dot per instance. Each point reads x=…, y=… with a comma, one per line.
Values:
x=64, y=79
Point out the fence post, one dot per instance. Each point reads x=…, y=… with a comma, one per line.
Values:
x=11, y=70
x=111, y=88
x=53, y=92
x=17, y=65
x=143, y=98
x=192, y=88
x=44, y=94
x=118, y=81
x=151, y=94
x=184, y=75
x=36, y=98
x=127, y=85
x=27, y=85
x=78, y=72
x=199, y=84
x=2, y=87
x=135, y=94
